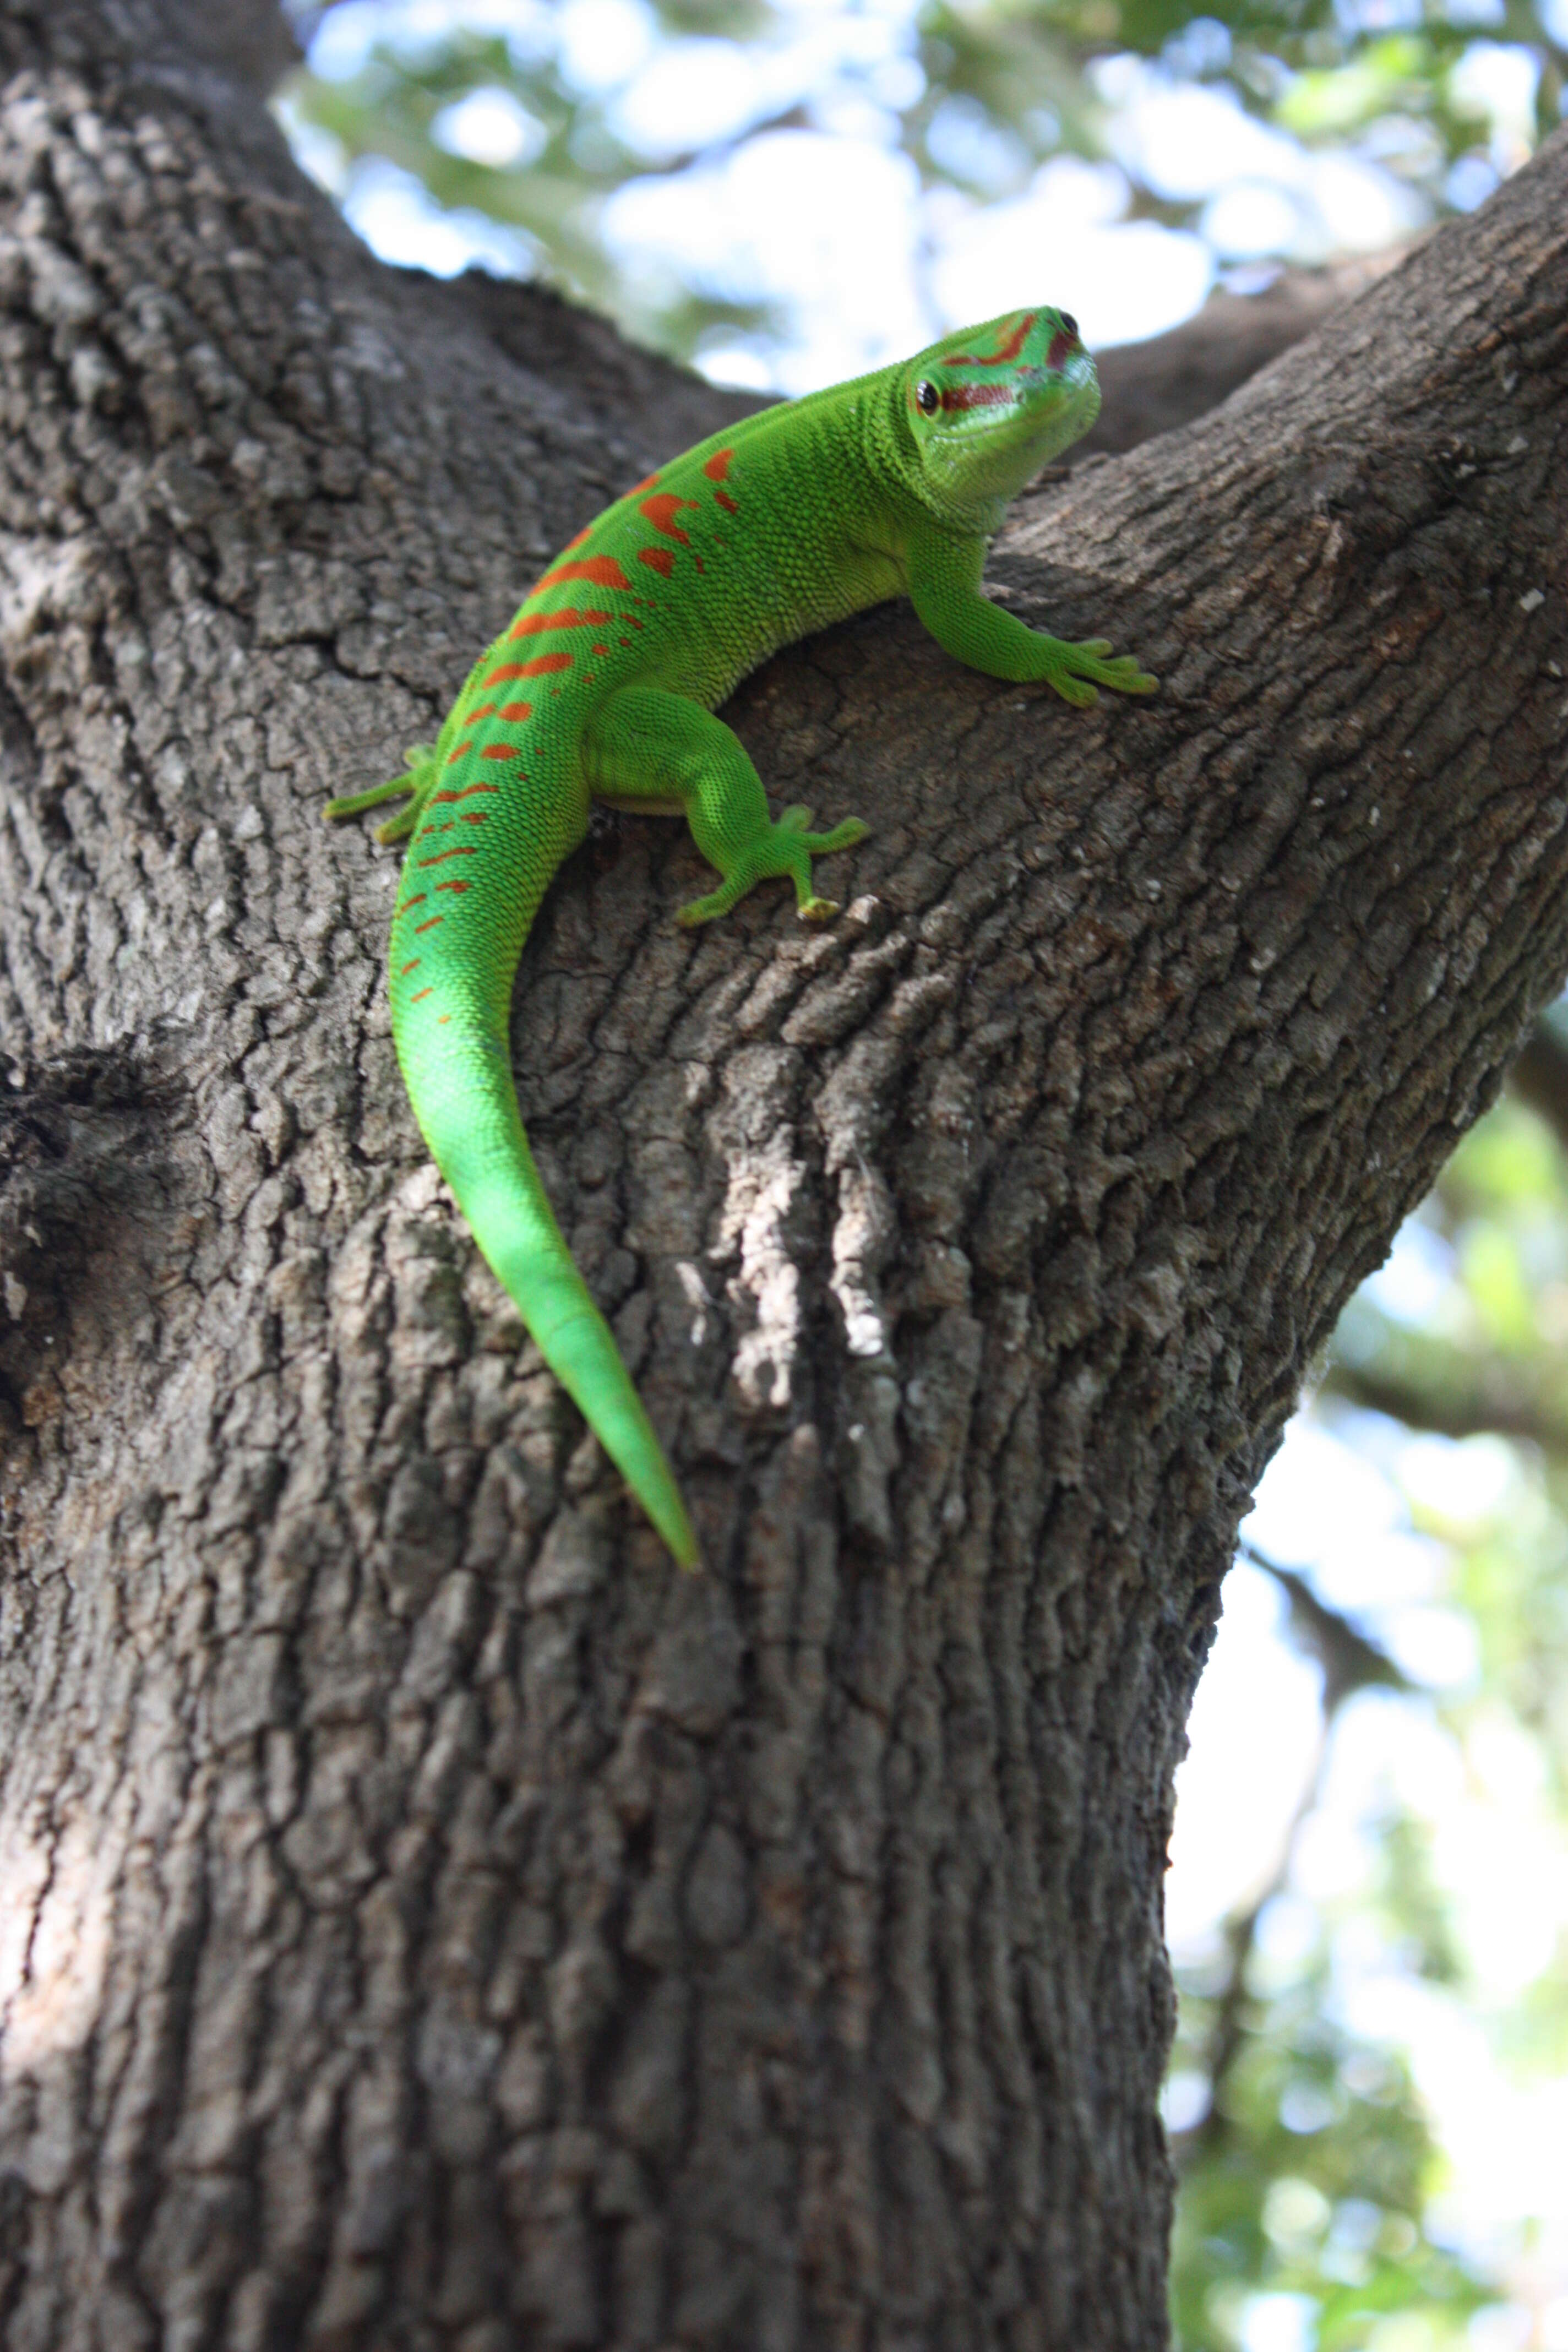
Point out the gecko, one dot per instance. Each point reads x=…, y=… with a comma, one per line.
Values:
x=604, y=687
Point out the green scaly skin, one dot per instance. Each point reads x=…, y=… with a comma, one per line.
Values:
x=605, y=684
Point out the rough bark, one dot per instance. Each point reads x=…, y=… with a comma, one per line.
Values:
x=427, y=1920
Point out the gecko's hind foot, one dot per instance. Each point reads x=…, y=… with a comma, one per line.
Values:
x=843, y=836
x=817, y=910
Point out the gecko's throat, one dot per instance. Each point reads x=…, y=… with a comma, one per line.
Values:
x=992, y=446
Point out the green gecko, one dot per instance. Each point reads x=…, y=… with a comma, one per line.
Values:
x=606, y=685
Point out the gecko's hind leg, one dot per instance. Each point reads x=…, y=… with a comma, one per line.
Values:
x=645, y=743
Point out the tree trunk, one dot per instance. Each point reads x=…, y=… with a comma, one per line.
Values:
x=427, y=1918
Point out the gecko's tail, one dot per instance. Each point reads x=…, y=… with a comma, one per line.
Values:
x=467, y=1107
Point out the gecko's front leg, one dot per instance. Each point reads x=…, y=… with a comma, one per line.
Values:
x=944, y=588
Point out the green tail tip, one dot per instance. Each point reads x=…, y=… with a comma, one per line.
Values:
x=668, y=1514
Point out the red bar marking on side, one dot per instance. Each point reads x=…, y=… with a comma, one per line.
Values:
x=658, y=559
x=466, y=792
x=570, y=616
x=464, y=850
x=453, y=756
x=719, y=465
x=651, y=483
x=458, y=887
x=420, y=994
x=540, y=667
x=409, y=967
x=599, y=570
x=726, y=501
x=470, y=816
x=485, y=710
x=431, y=924
x=418, y=900
x=581, y=535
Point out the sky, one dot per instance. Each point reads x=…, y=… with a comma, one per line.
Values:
x=829, y=222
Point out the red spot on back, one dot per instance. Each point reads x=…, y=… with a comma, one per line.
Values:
x=726, y=501
x=458, y=887
x=581, y=535
x=458, y=754
x=651, y=483
x=1007, y=351
x=470, y=816
x=661, y=512
x=502, y=751
x=600, y=570
x=719, y=465
x=485, y=710
x=658, y=559
x=516, y=713
x=598, y=650
x=530, y=623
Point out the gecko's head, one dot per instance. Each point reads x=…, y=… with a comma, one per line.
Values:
x=986, y=408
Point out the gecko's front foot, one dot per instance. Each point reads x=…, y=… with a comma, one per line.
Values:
x=1076, y=670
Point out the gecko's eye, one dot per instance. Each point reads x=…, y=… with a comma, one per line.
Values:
x=1067, y=323
x=927, y=400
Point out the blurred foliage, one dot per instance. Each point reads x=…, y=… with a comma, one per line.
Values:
x=978, y=94
x=1311, y=2178
x=1307, y=2165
